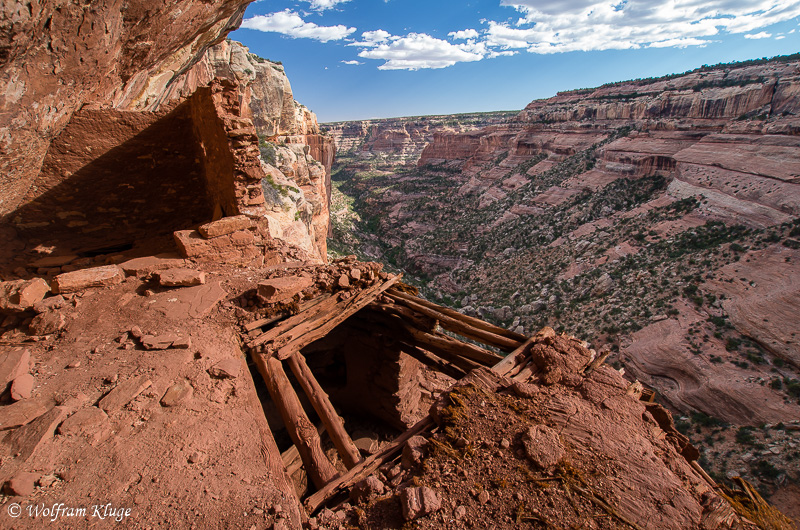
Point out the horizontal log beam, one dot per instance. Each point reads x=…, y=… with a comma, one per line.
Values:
x=513, y=358
x=474, y=322
x=261, y=322
x=433, y=361
x=454, y=346
x=286, y=325
x=458, y=325
x=307, y=332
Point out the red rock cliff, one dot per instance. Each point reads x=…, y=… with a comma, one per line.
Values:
x=57, y=57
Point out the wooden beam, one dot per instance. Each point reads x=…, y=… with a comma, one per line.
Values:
x=460, y=326
x=462, y=363
x=305, y=306
x=330, y=418
x=326, y=305
x=433, y=361
x=418, y=320
x=305, y=333
x=527, y=371
x=596, y=363
x=454, y=346
x=475, y=322
x=366, y=467
x=301, y=430
x=276, y=469
x=291, y=457
x=513, y=358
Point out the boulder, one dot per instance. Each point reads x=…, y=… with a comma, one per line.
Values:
x=280, y=289
x=13, y=363
x=543, y=446
x=24, y=441
x=227, y=369
x=418, y=502
x=367, y=489
x=70, y=282
x=224, y=226
x=91, y=423
x=47, y=323
x=20, y=413
x=22, y=484
x=21, y=295
x=159, y=342
x=414, y=451
x=177, y=394
x=181, y=278
x=22, y=387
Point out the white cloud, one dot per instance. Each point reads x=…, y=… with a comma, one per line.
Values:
x=464, y=34
x=290, y=23
x=780, y=37
x=679, y=43
x=416, y=51
x=322, y=5
x=552, y=26
x=352, y=62
x=762, y=35
x=371, y=39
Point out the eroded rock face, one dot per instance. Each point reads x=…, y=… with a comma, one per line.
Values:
x=297, y=157
x=697, y=128
x=56, y=58
x=400, y=141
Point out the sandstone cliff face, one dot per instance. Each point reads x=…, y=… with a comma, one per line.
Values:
x=729, y=134
x=119, y=110
x=400, y=141
x=57, y=57
x=297, y=157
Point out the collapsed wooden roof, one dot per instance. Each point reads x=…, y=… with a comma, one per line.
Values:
x=389, y=308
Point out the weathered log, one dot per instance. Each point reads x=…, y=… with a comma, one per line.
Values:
x=305, y=306
x=291, y=457
x=596, y=363
x=702, y=472
x=462, y=363
x=409, y=316
x=307, y=332
x=366, y=467
x=454, y=346
x=276, y=469
x=301, y=430
x=525, y=373
x=433, y=361
x=322, y=405
x=324, y=306
x=513, y=358
x=475, y=322
x=457, y=325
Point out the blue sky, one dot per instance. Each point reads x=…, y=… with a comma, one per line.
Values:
x=360, y=59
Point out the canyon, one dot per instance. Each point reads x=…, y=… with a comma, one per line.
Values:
x=179, y=346
x=656, y=218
